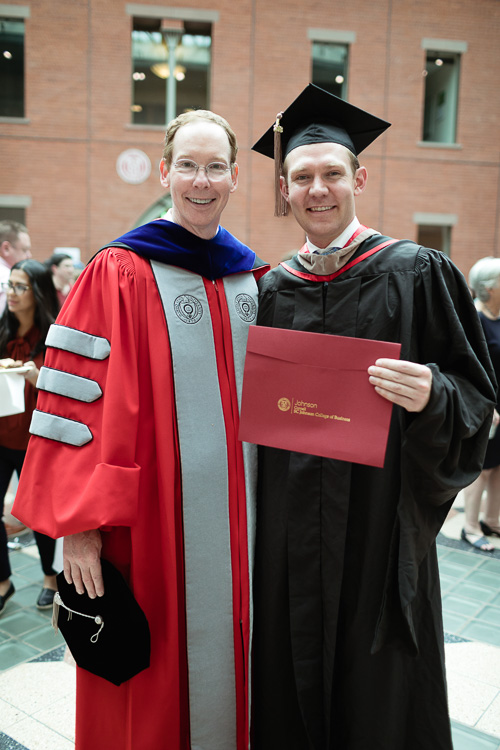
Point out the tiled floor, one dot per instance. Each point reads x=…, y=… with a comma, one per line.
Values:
x=471, y=596
x=37, y=686
x=470, y=585
x=37, y=682
x=24, y=631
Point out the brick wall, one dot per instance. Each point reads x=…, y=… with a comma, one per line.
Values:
x=78, y=89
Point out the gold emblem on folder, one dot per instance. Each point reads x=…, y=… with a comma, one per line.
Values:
x=284, y=404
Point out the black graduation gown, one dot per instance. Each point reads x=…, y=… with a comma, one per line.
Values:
x=348, y=646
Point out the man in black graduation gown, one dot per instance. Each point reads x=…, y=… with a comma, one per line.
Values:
x=348, y=646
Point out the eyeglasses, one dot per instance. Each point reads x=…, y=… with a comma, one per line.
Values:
x=8, y=286
x=214, y=171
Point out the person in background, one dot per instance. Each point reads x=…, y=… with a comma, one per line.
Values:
x=31, y=309
x=484, y=281
x=63, y=274
x=147, y=470
x=348, y=644
x=15, y=245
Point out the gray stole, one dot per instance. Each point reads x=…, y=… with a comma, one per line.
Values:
x=204, y=471
x=330, y=261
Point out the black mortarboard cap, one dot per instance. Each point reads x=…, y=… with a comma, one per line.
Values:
x=109, y=635
x=316, y=116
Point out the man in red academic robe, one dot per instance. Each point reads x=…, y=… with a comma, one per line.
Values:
x=135, y=458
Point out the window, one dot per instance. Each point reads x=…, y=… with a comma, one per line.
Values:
x=151, y=88
x=435, y=236
x=330, y=57
x=441, y=98
x=434, y=230
x=14, y=207
x=442, y=78
x=11, y=67
x=13, y=214
x=329, y=67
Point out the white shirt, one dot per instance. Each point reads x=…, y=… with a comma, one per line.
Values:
x=4, y=276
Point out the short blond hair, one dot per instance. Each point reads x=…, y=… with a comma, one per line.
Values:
x=196, y=115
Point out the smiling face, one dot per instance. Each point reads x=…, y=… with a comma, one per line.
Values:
x=21, y=304
x=197, y=203
x=320, y=188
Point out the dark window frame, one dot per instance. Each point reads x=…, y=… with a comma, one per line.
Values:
x=12, y=67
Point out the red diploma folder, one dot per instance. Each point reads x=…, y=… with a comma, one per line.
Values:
x=309, y=392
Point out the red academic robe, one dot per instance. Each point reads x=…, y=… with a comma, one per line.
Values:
x=126, y=482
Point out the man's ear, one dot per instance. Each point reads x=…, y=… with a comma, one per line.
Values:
x=5, y=249
x=284, y=188
x=164, y=174
x=360, y=179
x=234, y=177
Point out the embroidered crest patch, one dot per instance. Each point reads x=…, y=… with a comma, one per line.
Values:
x=245, y=307
x=188, y=308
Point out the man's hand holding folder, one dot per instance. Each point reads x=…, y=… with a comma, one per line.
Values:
x=311, y=393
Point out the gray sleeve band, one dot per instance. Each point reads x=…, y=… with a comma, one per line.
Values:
x=59, y=428
x=78, y=342
x=65, y=384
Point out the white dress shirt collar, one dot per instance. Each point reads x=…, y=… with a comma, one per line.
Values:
x=339, y=241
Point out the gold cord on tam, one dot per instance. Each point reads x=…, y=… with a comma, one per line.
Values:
x=280, y=204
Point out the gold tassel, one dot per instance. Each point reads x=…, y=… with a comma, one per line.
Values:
x=280, y=204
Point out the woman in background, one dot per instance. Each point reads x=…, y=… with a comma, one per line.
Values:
x=31, y=308
x=484, y=281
